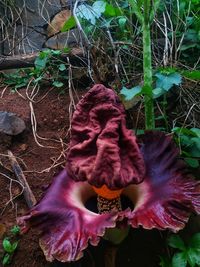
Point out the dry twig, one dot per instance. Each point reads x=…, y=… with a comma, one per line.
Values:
x=27, y=192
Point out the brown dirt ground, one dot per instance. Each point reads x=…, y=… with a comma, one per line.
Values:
x=52, y=123
x=140, y=249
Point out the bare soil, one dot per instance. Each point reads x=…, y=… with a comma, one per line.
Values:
x=40, y=162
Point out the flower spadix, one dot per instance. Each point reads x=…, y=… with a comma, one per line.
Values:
x=105, y=160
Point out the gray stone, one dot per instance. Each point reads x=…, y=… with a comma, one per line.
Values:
x=37, y=12
x=11, y=124
x=25, y=40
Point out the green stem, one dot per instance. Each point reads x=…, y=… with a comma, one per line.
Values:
x=147, y=69
x=145, y=19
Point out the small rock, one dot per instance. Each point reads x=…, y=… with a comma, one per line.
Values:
x=64, y=39
x=23, y=147
x=11, y=124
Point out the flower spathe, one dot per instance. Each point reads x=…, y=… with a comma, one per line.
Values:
x=102, y=152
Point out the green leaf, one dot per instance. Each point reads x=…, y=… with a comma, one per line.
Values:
x=40, y=63
x=7, y=246
x=165, y=262
x=195, y=147
x=195, y=241
x=62, y=67
x=187, y=46
x=179, y=260
x=139, y=131
x=69, y=24
x=175, y=241
x=66, y=50
x=58, y=84
x=167, y=81
x=99, y=8
x=167, y=70
x=157, y=92
x=185, y=131
x=194, y=74
x=85, y=11
x=194, y=163
x=14, y=246
x=129, y=94
x=44, y=54
x=15, y=230
x=56, y=52
x=193, y=256
x=38, y=79
x=91, y=13
x=122, y=22
x=20, y=85
x=196, y=131
x=112, y=11
x=6, y=259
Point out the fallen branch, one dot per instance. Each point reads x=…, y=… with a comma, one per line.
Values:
x=28, y=194
x=26, y=61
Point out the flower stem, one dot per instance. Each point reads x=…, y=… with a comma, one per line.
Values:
x=110, y=256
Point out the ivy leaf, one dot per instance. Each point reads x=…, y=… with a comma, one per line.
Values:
x=69, y=24
x=196, y=131
x=112, y=11
x=157, y=92
x=167, y=81
x=62, y=67
x=85, y=11
x=187, y=46
x=15, y=230
x=7, y=246
x=99, y=7
x=194, y=74
x=165, y=262
x=129, y=94
x=175, y=241
x=44, y=54
x=14, y=246
x=56, y=52
x=40, y=62
x=185, y=131
x=193, y=256
x=179, y=260
x=6, y=259
x=58, y=84
x=195, y=147
x=91, y=13
x=193, y=163
x=195, y=241
x=122, y=22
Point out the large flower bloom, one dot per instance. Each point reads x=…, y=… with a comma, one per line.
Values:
x=107, y=162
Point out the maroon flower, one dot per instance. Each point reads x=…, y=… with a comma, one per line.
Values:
x=104, y=160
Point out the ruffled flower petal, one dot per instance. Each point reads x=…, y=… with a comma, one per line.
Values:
x=168, y=194
x=102, y=150
x=65, y=224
